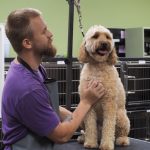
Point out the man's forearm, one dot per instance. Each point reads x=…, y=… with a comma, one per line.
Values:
x=64, y=113
x=65, y=130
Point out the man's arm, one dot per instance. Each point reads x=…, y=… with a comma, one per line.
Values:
x=65, y=130
x=64, y=113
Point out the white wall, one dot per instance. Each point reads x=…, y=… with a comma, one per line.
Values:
x=1, y=62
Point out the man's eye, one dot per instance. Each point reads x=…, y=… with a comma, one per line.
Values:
x=44, y=32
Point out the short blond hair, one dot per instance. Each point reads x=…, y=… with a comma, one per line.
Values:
x=18, y=26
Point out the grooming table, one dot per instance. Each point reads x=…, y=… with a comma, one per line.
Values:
x=135, y=144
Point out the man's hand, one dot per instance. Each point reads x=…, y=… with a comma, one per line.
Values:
x=92, y=92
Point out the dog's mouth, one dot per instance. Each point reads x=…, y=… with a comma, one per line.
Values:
x=103, y=49
x=101, y=52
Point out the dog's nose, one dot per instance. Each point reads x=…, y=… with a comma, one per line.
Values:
x=104, y=45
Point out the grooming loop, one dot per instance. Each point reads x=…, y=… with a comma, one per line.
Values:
x=77, y=4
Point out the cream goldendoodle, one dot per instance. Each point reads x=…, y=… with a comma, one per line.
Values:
x=107, y=121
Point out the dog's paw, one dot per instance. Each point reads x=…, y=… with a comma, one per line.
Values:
x=107, y=146
x=81, y=139
x=123, y=141
x=90, y=145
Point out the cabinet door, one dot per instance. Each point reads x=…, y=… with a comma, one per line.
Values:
x=134, y=42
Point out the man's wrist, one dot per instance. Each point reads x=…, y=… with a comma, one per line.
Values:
x=85, y=104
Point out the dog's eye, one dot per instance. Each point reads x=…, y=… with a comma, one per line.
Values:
x=96, y=35
x=108, y=37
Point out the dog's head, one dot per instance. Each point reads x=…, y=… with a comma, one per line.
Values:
x=98, y=46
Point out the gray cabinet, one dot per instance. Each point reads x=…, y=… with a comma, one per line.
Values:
x=137, y=42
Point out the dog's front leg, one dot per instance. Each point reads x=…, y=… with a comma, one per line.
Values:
x=108, y=127
x=90, y=122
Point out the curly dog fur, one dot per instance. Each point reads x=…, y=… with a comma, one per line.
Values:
x=107, y=121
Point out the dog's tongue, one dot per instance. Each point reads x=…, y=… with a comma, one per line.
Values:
x=102, y=52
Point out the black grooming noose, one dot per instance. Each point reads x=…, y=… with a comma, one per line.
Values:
x=77, y=4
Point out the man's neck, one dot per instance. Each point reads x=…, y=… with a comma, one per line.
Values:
x=31, y=60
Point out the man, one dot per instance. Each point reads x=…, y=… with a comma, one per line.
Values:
x=25, y=102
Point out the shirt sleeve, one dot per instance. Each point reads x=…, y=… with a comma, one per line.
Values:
x=36, y=113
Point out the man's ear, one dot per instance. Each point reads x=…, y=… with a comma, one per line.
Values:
x=27, y=43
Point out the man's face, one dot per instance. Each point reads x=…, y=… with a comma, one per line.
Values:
x=42, y=38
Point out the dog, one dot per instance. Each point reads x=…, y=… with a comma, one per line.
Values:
x=107, y=122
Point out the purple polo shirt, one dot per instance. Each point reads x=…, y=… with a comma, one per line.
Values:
x=25, y=105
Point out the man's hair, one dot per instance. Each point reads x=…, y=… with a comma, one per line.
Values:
x=18, y=26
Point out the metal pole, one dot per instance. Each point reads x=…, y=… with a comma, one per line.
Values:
x=69, y=55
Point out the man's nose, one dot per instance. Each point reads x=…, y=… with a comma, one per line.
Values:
x=50, y=35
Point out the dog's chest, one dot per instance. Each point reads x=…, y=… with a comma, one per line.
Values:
x=105, y=74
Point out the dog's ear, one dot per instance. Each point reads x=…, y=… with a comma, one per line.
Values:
x=83, y=54
x=112, y=59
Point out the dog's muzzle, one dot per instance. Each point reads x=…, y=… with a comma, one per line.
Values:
x=103, y=49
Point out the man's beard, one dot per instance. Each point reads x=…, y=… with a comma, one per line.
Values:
x=45, y=51
x=49, y=52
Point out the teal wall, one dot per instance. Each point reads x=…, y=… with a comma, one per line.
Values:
x=110, y=13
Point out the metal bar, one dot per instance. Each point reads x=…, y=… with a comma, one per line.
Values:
x=69, y=55
x=139, y=79
x=134, y=59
